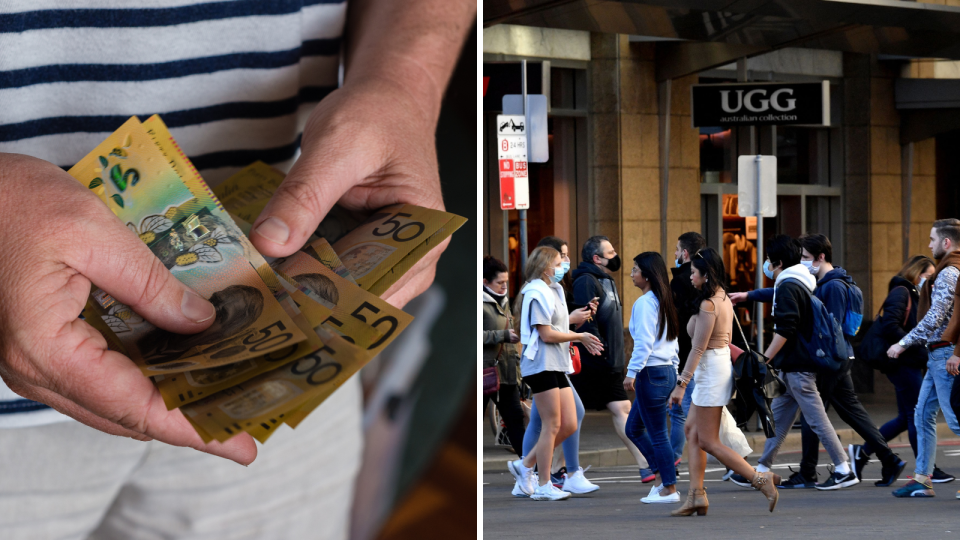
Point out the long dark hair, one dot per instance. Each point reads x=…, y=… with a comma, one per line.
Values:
x=710, y=265
x=654, y=270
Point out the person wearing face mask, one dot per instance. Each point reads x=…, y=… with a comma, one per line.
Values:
x=843, y=299
x=544, y=362
x=600, y=381
x=938, y=330
x=499, y=339
x=793, y=317
x=685, y=299
x=569, y=458
x=906, y=374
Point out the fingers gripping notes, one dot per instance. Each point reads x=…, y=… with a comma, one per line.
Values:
x=261, y=344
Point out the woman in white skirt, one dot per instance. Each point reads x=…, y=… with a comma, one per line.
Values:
x=709, y=362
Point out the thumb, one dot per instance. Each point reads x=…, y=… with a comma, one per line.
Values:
x=116, y=260
x=304, y=197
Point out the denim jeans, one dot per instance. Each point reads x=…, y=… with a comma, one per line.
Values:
x=934, y=396
x=678, y=417
x=647, y=422
x=570, y=445
x=906, y=383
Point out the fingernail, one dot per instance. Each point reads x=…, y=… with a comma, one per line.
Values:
x=195, y=308
x=274, y=230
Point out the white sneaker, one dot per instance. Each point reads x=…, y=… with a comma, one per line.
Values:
x=656, y=498
x=577, y=483
x=523, y=475
x=517, y=492
x=547, y=492
x=655, y=490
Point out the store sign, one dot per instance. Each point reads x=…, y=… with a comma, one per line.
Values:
x=760, y=104
x=512, y=158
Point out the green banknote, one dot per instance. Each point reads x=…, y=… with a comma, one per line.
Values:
x=202, y=247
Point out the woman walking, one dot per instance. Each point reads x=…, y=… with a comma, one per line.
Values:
x=652, y=371
x=899, y=317
x=568, y=477
x=499, y=348
x=709, y=362
x=545, y=360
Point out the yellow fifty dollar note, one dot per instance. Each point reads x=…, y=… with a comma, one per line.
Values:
x=391, y=241
x=264, y=400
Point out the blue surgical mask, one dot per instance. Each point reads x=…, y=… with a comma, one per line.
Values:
x=920, y=285
x=558, y=273
x=766, y=269
x=565, y=266
x=676, y=262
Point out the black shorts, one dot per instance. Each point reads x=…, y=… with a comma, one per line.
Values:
x=599, y=386
x=546, y=380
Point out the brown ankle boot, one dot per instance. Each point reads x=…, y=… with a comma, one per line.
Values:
x=696, y=502
x=767, y=483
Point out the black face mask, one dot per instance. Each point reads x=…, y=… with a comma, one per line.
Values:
x=613, y=264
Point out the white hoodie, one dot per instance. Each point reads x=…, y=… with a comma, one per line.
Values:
x=797, y=272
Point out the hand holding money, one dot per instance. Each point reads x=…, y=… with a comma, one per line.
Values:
x=358, y=156
x=52, y=253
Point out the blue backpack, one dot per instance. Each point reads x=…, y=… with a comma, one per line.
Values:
x=826, y=347
x=853, y=315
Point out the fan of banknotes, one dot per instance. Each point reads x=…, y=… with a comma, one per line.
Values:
x=288, y=332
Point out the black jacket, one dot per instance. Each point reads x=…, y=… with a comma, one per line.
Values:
x=590, y=281
x=891, y=321
x=684, y=298
x=792, y=314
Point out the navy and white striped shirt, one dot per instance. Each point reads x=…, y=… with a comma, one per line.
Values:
x=234, y=81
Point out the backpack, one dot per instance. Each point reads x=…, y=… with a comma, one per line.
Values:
x=853, y=314
x=826, y=348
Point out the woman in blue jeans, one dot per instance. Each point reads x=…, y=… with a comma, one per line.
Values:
x=652, y=371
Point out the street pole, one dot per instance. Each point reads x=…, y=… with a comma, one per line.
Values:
x=758, y=319
x=523, y=213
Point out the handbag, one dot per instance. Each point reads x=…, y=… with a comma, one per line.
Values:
x=772, y=385
x=491, y=379
x=575, y=358
x=873, y=348
x=491, y=375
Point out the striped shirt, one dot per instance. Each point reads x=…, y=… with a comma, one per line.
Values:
x=233, y=80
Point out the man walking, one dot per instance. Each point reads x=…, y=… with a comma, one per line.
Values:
x=684, y=298
x=600, y=381
x=793, y=317
x=939, y=329
x=843, y=299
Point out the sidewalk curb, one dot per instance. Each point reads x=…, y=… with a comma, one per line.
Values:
x=616, y=457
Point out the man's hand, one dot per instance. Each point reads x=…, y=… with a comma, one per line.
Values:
x=57, y=239
x=372, y=143
x=895, y=350
x=737, y=297
x=953, y=365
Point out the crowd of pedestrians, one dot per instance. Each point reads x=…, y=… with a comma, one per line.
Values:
x=565, y=338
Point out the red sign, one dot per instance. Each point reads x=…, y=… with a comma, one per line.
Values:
x=507, y=196
x=486, y=83
x=506, y=165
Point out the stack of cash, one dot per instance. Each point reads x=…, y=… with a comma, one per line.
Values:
x=288, y=332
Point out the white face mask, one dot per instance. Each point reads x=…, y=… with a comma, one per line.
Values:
x=810, y=267
x=920, y=285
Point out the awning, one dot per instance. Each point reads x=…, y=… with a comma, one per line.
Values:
x=725, y=30
x=928, y=107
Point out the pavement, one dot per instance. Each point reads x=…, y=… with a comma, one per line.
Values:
x=862, y=511
x=601, y=447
